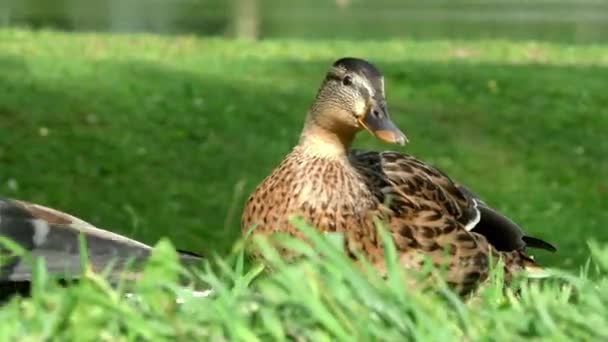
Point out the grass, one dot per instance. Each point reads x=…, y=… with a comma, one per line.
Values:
x=321, y=298
x=156, y=137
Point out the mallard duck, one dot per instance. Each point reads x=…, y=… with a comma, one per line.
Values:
x=54, y=236
x=337, y=189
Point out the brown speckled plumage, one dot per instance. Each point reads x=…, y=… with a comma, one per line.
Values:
x=54, y=236
x=335, y=188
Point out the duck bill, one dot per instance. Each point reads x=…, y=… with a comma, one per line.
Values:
x=378, y=123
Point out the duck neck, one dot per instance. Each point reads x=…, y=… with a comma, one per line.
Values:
x=322, y=139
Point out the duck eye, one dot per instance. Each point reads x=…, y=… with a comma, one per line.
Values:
x=347, y=80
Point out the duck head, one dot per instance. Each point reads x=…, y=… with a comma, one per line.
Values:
x=352, y=98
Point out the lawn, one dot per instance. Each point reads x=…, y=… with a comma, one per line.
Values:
x=155, y=136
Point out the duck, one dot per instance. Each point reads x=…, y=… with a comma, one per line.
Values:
x=42, y=232
x=336, y=188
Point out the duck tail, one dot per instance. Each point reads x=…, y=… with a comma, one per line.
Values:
x=518, y=261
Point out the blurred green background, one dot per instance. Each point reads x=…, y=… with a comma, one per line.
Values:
x=157, y=118
x=556, y=20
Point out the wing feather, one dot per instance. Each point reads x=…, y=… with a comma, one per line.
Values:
x=406, y=175
x=54, y=236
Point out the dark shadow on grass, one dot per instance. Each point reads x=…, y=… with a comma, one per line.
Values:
x=148, y=151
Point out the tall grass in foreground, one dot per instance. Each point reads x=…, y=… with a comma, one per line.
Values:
x=321, y=297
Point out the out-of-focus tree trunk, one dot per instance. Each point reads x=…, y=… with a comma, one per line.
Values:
x=342, y=3
x=246, y=19
x=86, y=15
x=127, y=16
x=5, y=13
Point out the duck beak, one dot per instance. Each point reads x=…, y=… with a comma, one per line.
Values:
x=378, y=122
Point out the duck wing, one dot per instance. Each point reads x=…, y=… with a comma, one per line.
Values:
x=408, y=182
x=54, y=236
x=414, y=184
x=501, y=232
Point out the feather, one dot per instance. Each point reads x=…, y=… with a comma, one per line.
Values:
x=54, y=236
x=336, y=189
x=501, y=232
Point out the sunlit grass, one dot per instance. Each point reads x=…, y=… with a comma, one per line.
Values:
x=154, y=136
x=321, y=297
